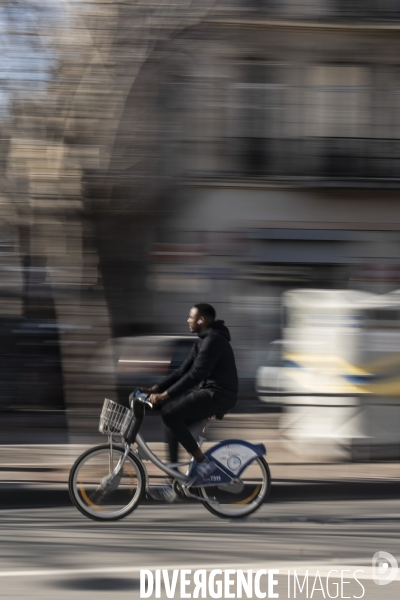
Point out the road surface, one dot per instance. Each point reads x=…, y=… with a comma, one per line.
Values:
x=57, y=553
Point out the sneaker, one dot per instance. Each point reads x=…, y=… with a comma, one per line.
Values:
x=200, y=471
x=163, y=493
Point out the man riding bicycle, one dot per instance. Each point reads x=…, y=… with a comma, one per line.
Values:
x=206, y=384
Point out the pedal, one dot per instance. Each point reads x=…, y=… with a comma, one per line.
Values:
x=178, y=489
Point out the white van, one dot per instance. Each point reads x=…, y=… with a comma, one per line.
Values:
x=337, y=373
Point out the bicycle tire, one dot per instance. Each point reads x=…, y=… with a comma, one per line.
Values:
x=250, y=504
x=92, y=508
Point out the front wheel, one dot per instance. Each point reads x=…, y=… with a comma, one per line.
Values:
x=231, y=503
x=88, y=494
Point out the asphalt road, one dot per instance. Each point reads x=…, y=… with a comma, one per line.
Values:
x=57, y=553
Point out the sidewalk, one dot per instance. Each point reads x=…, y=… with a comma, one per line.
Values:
x=50, y=465
x=40, y=471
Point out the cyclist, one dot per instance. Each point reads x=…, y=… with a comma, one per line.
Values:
x=206, y=384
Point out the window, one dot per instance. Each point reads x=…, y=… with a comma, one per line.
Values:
x=338, y=102
x=255, y=110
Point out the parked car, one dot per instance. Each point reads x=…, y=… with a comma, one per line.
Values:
x=147, y=360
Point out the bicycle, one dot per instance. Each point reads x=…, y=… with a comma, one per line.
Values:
x=108, y=482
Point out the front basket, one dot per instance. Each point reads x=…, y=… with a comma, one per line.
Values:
x=114, y=418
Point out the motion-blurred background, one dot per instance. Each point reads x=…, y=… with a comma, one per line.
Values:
x=244, y=153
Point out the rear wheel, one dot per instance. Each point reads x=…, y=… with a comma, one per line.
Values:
x=224, y=502
x=86, y=490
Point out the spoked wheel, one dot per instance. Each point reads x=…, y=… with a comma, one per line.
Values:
x=87, y=492
x=248, y=498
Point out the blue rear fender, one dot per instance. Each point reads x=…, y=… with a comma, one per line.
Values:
x=233, y=456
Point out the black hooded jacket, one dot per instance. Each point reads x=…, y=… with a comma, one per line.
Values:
x=210, y=365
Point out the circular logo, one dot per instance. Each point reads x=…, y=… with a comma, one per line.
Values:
x=381, y=573
x=234, y=463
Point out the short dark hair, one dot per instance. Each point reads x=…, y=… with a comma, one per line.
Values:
x=206, y=310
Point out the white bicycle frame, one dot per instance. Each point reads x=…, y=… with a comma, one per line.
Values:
x=184, y=480
x=230, y=482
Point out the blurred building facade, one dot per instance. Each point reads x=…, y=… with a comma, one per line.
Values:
x=184, y=152
x=286, y=147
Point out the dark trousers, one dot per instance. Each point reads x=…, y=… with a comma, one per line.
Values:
x=178, y=414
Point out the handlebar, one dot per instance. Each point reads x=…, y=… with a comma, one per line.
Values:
x=141, y=397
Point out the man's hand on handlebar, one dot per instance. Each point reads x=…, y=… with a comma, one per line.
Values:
x=152, y=390
x=158, y=398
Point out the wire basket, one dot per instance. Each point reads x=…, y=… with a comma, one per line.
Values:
x=114, y=418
